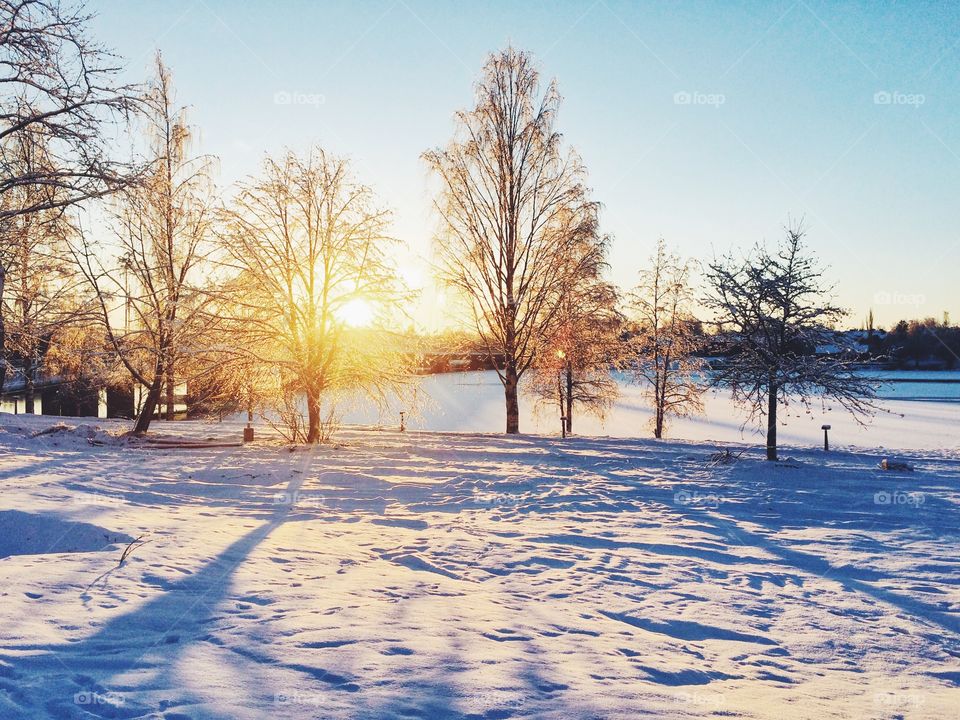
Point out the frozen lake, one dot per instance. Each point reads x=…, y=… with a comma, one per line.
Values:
x=913, y=415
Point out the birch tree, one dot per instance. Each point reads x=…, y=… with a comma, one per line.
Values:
x=513, y=205
x=574, y=371
x=162, y=230
x=666, y=340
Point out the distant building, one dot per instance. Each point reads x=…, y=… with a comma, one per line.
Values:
x=59, y=396
x=54, y=395
x=846, y=340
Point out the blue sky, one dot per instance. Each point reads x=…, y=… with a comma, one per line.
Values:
x=708, y=123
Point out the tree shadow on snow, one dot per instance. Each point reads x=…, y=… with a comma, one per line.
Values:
x=780, y=501
x=99, y=675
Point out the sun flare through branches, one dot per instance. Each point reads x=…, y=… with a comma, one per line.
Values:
x=356, y=313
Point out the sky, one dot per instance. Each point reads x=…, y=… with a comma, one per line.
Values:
x=709, y=124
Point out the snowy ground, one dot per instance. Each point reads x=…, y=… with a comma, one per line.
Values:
x=437, y=575
x=473, y=402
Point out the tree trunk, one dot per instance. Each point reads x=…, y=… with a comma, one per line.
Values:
x=313, y=416
x=170, y=389
x=660, y=399
x=569, y=397
x=28, y=389
x=772, y=422
x=149, y=405
x=561, y=406
x=510, y=393
x=3, y=334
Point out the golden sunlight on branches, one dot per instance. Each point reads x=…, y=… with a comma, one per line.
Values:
x=313, y=289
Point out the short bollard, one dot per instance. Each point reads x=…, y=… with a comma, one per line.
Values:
x=403, y=421
x=826, y=439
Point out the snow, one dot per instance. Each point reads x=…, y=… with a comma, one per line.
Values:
x=473, y=402
x=465, y=575
x=29, y=534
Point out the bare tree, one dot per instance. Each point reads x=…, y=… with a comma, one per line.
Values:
x=777, y=310
x=314, y=290
x=512, y=205
x=59, y=88
x=583, y=346
x=60, y=83
x=38, y=293
x=163, y=227
x=42, y=293
x=235, y=380
x=666, y=339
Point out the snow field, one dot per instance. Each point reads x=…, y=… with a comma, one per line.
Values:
x=441, y=575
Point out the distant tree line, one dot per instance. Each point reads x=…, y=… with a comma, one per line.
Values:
x=916, y=343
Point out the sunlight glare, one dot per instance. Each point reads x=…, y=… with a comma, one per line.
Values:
x=356, y=313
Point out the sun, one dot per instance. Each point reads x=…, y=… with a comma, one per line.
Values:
x=356, y=313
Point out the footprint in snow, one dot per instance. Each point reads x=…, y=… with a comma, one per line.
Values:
x=319, y=644
x=774, y=677
x=397, y=650
x=545, y=686
x=406, y=523
x=506, y=636
x=256, y=600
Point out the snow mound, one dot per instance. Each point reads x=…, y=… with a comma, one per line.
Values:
x=61, y=428
x=23, y=533
x=62, y=434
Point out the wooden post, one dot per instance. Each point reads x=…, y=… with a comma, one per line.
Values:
x=248, y=430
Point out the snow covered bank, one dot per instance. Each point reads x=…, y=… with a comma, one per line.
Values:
x=451, y=576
